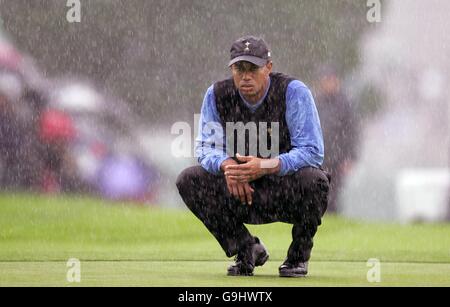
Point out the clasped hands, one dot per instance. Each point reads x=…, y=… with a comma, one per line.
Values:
x=239, y=176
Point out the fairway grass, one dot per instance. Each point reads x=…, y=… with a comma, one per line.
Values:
x=211, y=273
x=123, y=245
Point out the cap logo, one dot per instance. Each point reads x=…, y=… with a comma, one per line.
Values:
x=246, y=48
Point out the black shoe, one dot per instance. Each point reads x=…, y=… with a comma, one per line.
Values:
x=246, y=261
x=295, y=269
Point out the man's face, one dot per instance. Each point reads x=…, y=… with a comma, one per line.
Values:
x=329, y=84
x=250, y=79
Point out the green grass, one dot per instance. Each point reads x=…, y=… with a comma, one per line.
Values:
x=122, y=245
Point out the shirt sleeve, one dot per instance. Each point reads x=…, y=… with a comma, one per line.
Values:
x=209, y=144
x=304, y=127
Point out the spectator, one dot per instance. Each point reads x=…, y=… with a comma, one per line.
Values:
x=57, y=131
x=17, y=171
x=339, y=128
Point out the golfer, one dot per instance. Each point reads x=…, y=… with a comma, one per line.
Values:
x=241, y=181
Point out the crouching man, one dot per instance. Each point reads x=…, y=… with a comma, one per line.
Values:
x=242, y=184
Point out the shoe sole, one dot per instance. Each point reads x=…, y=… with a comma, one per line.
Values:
x=293, y=275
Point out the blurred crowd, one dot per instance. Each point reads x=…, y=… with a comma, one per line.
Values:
x=62, y=136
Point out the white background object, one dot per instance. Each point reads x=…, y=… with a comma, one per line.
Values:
x=423, y=195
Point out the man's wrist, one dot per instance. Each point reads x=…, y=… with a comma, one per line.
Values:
x=271, y=166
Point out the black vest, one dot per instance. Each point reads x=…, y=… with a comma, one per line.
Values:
x=233, y=110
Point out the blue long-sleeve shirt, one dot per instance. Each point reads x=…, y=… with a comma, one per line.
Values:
x=303, y=123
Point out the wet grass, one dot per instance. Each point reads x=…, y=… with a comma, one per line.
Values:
x=121, y=245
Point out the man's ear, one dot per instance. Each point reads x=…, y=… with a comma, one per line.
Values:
x=269, y=66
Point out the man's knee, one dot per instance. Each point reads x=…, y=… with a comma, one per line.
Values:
x=312, y=179
x=314, y=188
x=187, y=178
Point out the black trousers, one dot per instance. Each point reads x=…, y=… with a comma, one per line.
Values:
x=300, y=199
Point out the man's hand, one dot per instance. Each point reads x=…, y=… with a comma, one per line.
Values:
x=240, y=190
x=252, y=169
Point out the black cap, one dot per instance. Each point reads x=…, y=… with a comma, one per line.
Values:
x=250, y=49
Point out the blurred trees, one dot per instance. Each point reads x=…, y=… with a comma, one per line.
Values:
x=160, y=56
